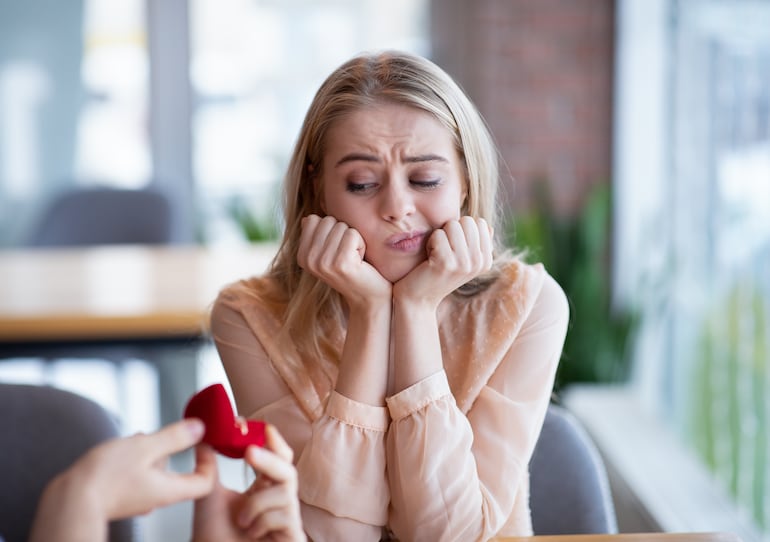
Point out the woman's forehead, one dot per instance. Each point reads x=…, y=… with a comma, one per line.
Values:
x=406, y=133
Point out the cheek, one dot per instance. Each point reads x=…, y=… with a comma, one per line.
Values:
x=448, y=207
x=331, y=204
x=353, y=214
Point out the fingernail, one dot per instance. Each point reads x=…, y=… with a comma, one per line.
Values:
x=255, y=452
x=195, y=427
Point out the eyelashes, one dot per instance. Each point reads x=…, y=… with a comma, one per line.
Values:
x=426, y=185
x=360, y=188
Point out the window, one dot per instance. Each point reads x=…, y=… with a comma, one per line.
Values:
x=112, y=138
x=693, y=246
x=73, y=101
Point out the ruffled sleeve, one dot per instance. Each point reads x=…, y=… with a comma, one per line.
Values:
x=345, y=459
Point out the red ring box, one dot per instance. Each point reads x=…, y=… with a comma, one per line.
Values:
x=227, y=434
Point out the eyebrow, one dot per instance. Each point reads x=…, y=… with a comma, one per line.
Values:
x=361, y=157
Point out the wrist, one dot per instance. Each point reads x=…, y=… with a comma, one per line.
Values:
x=406, y=302
x=69, y=510
x=77, y=487
x=370, y=309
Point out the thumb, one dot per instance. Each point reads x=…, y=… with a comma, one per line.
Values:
x=206, y=462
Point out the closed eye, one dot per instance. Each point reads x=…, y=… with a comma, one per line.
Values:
x=359, y=188
x=426, y=185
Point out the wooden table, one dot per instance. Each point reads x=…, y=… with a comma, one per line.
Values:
x=67, y=301
x=116, y=293
x=625, y=537
x=634, y=537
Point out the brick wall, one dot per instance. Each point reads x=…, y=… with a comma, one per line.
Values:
x=540, y=71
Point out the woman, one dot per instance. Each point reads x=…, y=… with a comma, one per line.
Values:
x=407, y=358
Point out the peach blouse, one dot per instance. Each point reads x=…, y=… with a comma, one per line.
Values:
x=445, y=459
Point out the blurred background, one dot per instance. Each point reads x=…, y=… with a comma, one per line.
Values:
x=636, y=141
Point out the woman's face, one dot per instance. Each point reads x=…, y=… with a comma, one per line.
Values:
x=392, y=173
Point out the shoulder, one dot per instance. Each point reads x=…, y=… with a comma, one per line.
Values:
x=505, y=302
x=518, y=283
x=241, y=291
x=522, y=292
x=243, y=300
x=248, y=293
x=532, y=293
x=552, y=301
x=518, y=273
x=533, y=290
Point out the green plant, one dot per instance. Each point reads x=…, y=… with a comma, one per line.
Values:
x=575, y=251
x=730, y=407
x=255, y=228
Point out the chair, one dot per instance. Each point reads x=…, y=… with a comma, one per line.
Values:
x=44, y=430
x=84, y=216
x=569, y=488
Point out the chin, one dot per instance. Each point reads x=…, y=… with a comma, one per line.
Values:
x=394, y=269
x=394, y=277
x=394, y=273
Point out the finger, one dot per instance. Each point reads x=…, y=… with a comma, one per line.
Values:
x=271, y=465
x=277, y=444
x=438, y=244
x=317, y=242
x=259, y=503
x=353, y=242
x=486, y=243
x=455, y=235
x=479, y=245
x=331, y=246
x=309, y=224
x=458, y=244
x=193, y=485
x=471, y=231
x=206, y=461
x=175, y=437
x=274, y=520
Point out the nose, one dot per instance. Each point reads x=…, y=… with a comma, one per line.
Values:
x=397, y=200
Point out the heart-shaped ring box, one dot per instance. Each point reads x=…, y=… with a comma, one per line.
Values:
x=227, y=434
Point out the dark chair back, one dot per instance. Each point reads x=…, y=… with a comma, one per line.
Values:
x=569, y=489
x=84, y=216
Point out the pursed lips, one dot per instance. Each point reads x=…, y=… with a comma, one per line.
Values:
x=406, y=241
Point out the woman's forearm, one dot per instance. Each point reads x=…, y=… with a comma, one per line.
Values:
x=417, y=344
x=363, y=370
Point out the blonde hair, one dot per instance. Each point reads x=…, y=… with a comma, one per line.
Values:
x=313, y=311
